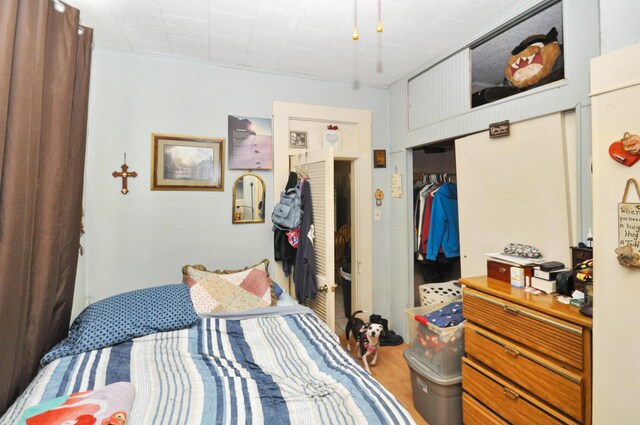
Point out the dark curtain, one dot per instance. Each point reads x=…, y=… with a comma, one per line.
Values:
x=45, y=61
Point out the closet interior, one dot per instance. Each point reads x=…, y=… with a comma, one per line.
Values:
x=436, y=235
x=342, y=241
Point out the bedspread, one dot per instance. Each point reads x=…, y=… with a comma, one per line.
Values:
x=274, y=369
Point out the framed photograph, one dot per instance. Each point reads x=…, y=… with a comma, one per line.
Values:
x=379, y=158
x=250, y=144
x=298, y=139
x=187, y=163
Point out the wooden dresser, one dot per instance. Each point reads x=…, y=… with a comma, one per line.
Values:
x=528, y=357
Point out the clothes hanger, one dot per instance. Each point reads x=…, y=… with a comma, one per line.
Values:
x=300, y=171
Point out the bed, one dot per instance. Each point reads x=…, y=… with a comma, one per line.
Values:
x=271, y=365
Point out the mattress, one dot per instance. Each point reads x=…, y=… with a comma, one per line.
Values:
x=281, y=365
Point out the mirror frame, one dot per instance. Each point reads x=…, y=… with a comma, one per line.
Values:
x=233, y=201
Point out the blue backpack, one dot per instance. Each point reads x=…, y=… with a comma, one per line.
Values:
x=287, y=214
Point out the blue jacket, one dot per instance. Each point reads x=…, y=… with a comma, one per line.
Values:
x=444, y=231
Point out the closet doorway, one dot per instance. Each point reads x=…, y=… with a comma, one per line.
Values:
x=434, y=167
x=354, y=148
x=342, y=241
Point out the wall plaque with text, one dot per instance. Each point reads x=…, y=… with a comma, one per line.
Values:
x=499, y=129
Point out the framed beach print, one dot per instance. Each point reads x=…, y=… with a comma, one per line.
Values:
x=250, y=143
x=298, y=139
x=187, y=163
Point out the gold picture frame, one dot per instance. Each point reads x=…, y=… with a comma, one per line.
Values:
x=186, y=162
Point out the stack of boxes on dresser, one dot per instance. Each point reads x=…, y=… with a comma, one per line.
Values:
x=544, y=276
x=523, y=272
x=435, y=355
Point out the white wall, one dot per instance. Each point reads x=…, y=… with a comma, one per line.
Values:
x=619, y=24
x=616, y=340
x=144, y=238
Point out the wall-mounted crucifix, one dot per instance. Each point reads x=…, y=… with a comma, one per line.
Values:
x=124, y=174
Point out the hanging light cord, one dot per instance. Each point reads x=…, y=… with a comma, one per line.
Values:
x=355, y=35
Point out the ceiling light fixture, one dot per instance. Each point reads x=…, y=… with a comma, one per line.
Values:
x=355, y=35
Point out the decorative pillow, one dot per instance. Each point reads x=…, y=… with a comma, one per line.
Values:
x=262, y=265
x=125, y=316
x=109, y=405
x=229, y=291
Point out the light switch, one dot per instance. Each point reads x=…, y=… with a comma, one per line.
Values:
x=377, y=214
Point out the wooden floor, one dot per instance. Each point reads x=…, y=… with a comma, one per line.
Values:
x=392, y=371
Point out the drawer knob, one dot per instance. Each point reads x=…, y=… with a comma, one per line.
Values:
x=512, y=351
x=512, y=395
x=510, y=310
x=502, y=270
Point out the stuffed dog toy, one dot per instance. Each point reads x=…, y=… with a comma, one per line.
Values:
x=367, y=336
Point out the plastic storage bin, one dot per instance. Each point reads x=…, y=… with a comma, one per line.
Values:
x=437, y=399
x=411, y=321
x=439, y=348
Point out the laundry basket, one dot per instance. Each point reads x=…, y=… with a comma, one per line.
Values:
x=440, y=293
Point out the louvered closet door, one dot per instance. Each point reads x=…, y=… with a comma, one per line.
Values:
x=318, y=166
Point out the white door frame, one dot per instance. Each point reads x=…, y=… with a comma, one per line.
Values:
x=356, y=147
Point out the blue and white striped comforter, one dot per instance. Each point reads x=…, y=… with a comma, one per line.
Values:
x=270, y=369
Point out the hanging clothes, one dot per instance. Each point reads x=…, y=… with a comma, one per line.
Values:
x=426, y=217
x=444, y=231
x=304, y=273
x=422, y=213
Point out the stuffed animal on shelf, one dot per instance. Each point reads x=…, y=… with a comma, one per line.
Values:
x=533, y=59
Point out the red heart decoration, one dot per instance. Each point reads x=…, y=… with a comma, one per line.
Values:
x=617, y=152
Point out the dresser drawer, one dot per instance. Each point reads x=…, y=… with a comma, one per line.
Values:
x=474, y=413
x=560, y=387
x=546, y=334
x=515, y=406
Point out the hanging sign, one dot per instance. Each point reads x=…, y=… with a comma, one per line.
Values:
x=396, y=185
x=628, y=229
x=499, y=129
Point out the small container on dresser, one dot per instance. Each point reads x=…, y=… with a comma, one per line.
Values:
x=528, y=357
x=502, y=271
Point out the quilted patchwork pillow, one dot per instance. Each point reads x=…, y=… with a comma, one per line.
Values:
x=262, y=265
x=215, y=292
x=126, y=316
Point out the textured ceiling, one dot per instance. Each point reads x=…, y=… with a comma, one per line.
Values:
x=310, y=38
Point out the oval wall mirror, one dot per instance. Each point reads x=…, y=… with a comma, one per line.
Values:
x=248, y=199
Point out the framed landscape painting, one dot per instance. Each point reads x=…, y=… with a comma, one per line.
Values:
x=187, y=163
